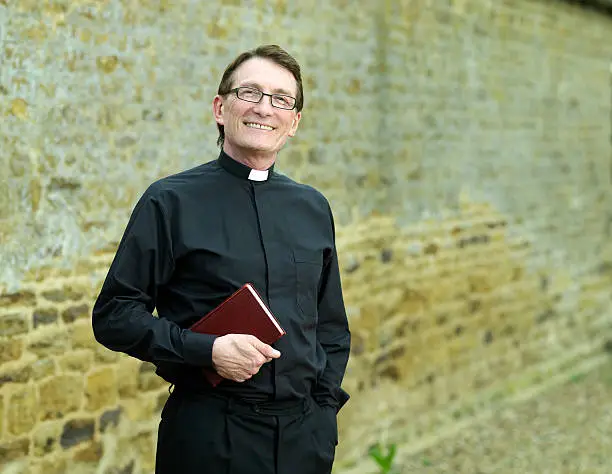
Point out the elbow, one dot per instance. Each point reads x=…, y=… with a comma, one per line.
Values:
x=99, y=328
x=100, y=325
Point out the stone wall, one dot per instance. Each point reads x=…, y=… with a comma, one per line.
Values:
x=465, y=149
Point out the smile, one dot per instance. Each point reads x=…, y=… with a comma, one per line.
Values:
x=259, y=126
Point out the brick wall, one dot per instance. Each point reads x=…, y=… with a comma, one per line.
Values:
x=465, y=150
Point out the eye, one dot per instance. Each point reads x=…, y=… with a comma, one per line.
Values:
x=250, y=93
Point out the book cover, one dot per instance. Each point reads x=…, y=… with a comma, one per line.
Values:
x=244, y=312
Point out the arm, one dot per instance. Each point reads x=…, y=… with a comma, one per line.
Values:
x=122, y=316
x=333, y=334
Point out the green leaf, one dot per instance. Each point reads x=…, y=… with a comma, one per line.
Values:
x=384, y=461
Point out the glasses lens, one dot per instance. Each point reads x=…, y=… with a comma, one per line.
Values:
x=283, y=101
x=246, y=93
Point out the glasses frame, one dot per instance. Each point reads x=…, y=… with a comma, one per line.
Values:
x=235, y=90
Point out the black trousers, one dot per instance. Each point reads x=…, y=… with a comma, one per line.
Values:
x=211, y=434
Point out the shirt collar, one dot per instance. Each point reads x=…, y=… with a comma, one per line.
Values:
x=241, y=170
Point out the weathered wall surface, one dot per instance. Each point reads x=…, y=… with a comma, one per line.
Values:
x=465, y=150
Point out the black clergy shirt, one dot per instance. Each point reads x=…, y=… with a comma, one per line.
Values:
x=194, y=238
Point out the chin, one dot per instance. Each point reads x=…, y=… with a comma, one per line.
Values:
x=261, y=147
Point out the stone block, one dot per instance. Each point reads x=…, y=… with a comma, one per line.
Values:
x=127, y=377
x=14, y=450
x=141, y=408
x=23, y=410
x=110, y=418
x=13, y=323
x=162, y=398
x=92, y=452
x=20, y=298
x=127, y=468
x=60, y=395
x=61, y=295
x=10, y=349
x=49, y=341
x=103, y=355
x=42, y=368
x=147, y=378
x=77, y=431
x=144, y=443
x=76, y=361
x=45, y=438
x=72, y=313
x=54, y=465
x=19, y=371
x=44, y=316
x=82, y=336
x=101, y=388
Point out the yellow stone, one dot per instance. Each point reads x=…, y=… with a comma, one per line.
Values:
x=90, y=453
x=85, y=35
x=60, y=395
x=55, y=465
x=145, y=445
x=19, y=108
x=46, y=437
x=10, y=349
x=36, y=33
x=101, y=39
x=214, y=30
x=354, y=86
x=76, y=361
x=22, y=416
x=107, y=64
x=13, y=450
x=127, y=376
x=82, y=336
x=101, y=388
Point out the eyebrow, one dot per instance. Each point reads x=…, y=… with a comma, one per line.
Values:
x=258, y=86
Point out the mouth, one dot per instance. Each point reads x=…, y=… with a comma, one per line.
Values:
x=259, y=126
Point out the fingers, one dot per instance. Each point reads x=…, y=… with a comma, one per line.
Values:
x=250, y=373
x=268, y=352
x=239, y=357
x=264, y=349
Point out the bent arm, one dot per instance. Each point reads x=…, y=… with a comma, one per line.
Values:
x=122, y=317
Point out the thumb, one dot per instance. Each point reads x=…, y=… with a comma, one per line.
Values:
x=265, y=349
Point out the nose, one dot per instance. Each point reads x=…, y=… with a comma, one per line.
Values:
x=264, y=106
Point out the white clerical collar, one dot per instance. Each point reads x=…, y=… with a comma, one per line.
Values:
x=258, y=175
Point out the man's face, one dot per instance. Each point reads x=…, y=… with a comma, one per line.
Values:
x=257, y=128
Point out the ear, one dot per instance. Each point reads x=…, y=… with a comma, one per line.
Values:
x=295, y=124
x=217, y=107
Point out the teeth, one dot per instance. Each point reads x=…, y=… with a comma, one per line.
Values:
x=259, y=126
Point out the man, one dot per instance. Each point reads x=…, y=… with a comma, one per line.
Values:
x=196, y=237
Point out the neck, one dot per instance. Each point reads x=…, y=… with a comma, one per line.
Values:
x=253, y=159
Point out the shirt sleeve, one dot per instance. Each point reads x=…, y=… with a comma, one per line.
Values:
x=122, y=316
x=333, y=334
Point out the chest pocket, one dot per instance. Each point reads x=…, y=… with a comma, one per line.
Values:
x=308, y=265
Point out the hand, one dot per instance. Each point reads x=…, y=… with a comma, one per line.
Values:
x=240, y=356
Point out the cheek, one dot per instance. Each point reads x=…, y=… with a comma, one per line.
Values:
x=234, y=113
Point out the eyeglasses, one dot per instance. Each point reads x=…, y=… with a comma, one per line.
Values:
x=249, y=94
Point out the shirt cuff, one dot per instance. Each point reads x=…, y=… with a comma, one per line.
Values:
x=197, y=348
x=336, y=401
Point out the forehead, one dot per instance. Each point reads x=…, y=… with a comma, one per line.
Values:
x=266, y=74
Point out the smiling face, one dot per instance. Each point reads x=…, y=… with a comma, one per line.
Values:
x=257, y=130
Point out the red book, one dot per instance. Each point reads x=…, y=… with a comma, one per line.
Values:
x=244, y=312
